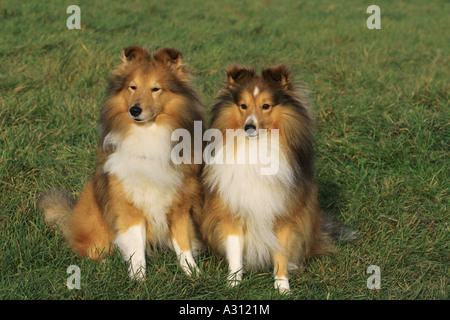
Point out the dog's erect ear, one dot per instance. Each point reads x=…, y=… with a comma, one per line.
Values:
x=135, y=53
x=279, y=74
x=173, y=59
x=169, y=56
x=236, y=74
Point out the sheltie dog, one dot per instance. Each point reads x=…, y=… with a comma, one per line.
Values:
x=138, y=198
x=257, y=219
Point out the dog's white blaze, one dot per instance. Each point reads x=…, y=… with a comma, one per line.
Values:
x=185, y=258
x=251, y=118
x=132, y=246
x=141, y=161
x=255, y=91
x=234, y=252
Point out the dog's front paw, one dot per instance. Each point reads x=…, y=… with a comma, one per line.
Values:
x=234, y=278
x=282, y=285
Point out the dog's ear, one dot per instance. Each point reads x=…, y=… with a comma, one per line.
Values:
x=236, y=74
x=173, y=59
x=280, y=75
x=169, y=56
x=135, y=53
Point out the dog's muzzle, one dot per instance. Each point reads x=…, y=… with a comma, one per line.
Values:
x=250, y=130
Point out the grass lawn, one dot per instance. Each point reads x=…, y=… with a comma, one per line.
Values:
x=381, y=100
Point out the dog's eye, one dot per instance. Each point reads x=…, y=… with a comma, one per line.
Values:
x=265, y=106
x=244, y=106
x=133, y=88
x=155, y=89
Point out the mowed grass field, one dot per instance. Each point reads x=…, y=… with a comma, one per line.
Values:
x=381, y=101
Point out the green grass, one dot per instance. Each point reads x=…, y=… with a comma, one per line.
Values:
x=382, y=109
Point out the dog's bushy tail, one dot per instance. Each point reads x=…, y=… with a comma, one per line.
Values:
x=337, y=231
x=57, y=207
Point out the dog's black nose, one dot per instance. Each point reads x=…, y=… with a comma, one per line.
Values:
x=135, y=111
x=249, y=127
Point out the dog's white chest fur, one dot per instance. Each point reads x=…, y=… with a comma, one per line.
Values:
x=256, y=198
x=142, y=162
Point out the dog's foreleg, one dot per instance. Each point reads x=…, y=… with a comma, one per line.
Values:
x=131, y=243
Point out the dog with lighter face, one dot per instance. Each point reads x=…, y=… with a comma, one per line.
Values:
x=138, y=199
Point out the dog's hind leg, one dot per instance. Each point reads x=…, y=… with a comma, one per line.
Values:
x=182, y=236
x=281, y=258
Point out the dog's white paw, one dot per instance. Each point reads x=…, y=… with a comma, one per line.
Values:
x=282, y=285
